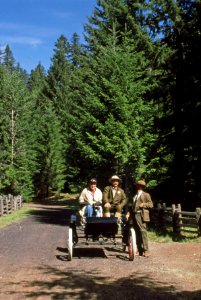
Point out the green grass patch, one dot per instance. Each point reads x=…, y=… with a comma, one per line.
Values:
x=16, y=216
x=158, y=237
x=166, y=237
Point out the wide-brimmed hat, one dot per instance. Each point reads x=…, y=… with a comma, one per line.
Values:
x=141, y=182
x=92, y=180
x=114, y=177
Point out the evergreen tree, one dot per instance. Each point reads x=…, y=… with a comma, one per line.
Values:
x=7, y=58
x=58, y=78
x=114, y=121
x=115, y=32
x=16, y=154
x=177, y=25
x=47, y=138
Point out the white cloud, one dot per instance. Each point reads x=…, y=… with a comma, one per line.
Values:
x=26, y=40
x=37, y=31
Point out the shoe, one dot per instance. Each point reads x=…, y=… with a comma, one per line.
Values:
x=83, y=223
x=146, y=254
x=137, y=253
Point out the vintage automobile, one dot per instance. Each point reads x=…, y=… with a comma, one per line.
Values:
x=101, y=231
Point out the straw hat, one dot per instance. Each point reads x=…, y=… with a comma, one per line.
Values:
x=114, y=177
x=141, y=182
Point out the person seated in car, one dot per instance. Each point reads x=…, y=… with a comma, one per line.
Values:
x=114, y=198
x=91, y=200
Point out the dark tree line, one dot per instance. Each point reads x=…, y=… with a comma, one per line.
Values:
x=126, y=101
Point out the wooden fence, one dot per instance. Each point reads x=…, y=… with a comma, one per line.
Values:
x=9, y=203
x=163, y=217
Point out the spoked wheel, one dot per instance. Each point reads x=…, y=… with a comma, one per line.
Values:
x=70, y=243
x=132, y=244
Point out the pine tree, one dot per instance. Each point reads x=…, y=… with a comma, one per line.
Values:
x=176, y=25
x=16, y=153
x=7, y=58
x=116, y=81
x=47, y=138
x=58, y=78
x=115, y=121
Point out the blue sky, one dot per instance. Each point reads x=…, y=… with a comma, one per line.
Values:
x=31, y=27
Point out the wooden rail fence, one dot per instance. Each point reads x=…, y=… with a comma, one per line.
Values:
x=9, y=203
x=163, y=217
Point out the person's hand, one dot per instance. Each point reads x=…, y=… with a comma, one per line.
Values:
x=127, y=216
x=141, y=205
x=120, y=207
x=108, y=205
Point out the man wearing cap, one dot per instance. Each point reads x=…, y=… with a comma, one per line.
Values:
x=91, y=200
x=139, y=213
x=114, y=198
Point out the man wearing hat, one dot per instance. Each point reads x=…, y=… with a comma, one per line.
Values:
x=139, y=214
x=91, y=200
x=114, y=198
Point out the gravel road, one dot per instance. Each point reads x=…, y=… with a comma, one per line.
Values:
x=34, y=265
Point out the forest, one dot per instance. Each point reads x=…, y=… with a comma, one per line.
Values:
x=126, y=101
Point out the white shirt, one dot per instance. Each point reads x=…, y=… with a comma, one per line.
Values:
x=88, y=196
x=139, y=193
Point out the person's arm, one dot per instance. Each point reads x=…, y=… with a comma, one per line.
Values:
x=106, y=195
x=98, y=197
x=83, y=197
x=129, y=209
x=106, y=199
x=124, y=199
x=147, y=202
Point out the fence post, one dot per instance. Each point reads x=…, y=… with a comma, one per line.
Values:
x=161, y=217
x=1, y=206
x=158, y=216
x=179, y=217
x=20, y=201
x=198, y=218
x=12, y=199
x=6, y=202
x=175, y=221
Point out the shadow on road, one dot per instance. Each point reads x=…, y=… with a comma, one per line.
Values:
x=80, y=252
x=54, y=211
x=82, y=284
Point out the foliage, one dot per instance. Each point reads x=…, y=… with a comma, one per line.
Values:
x=127, y=101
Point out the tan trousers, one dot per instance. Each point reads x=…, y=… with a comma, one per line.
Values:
x=141, y=232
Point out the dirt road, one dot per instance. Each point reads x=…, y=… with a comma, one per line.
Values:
x=33, y=265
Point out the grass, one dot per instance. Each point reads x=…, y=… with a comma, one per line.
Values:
x=16, y=216
x=157, y=237
x=69, y=201
x=166, y=237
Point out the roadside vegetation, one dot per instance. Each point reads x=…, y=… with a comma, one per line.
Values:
x=69, y=201
x=16, y=216
x=167, y=237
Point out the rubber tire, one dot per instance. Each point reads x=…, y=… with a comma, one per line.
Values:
x=70, y=243
x=132, y=248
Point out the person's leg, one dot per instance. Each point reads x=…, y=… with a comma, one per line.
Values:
x=99, y=211
x=89, y=211
x=118, y=210
x=145, y=238
x=143, y=233
x=137, y=229
x=106, y=212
